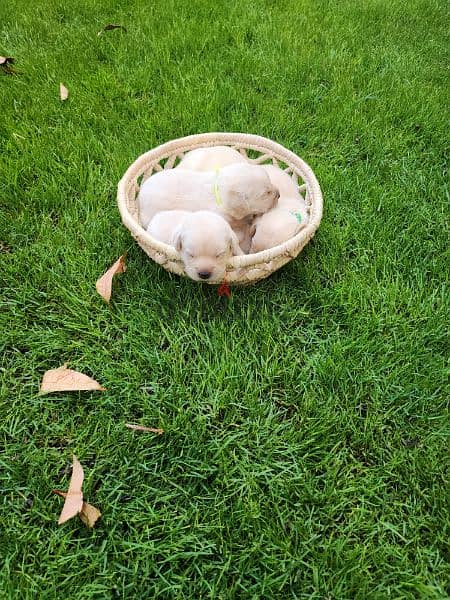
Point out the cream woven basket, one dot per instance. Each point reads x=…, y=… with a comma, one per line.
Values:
x=244, y=269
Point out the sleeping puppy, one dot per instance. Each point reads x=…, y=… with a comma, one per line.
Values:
x=234, y=192
x=204, y=240
x=286, y=220
x=211, y=158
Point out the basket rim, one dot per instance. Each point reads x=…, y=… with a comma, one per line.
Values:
x=240, y=140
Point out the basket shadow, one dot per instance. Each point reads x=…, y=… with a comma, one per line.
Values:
x=180, y=298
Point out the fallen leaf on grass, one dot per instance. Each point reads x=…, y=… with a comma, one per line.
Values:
x=224, y=290
x=143, y=428
x=112, y=26
x=88, y=514
x=67, y=380
x=74, y=496
x=63, y=92
x=104, y=284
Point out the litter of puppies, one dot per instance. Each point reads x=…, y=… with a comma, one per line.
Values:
x=216, y=204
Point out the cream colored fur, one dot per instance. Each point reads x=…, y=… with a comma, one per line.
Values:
x=209, y=159
x=204, y=240
x=286, y=220
x=235, y=192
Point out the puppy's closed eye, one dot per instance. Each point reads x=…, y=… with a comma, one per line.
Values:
x=221, y=254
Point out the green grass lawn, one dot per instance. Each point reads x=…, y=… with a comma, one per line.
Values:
x=306, y=431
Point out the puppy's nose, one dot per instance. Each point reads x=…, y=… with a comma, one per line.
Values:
x=204, y=274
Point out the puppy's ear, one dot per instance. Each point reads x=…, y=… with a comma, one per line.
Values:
x=235, y=248
x=177, y=238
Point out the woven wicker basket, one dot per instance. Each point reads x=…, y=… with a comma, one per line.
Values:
x=244, y=269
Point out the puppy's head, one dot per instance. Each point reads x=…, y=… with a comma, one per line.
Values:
x=246, y=190
x=205, y=242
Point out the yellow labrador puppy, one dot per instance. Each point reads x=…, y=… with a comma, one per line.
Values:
x=286, y=220
x=235, y=192
x=214, y=158
x=209, y=159
x=204, y=240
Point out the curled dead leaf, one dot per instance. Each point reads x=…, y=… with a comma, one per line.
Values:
x=111, y=26
x=143, y=428
x=63, y=92
x=67, y=380
x=104, y=284
x=74, y=496
x=89, y=514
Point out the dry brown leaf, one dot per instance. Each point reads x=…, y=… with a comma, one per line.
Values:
x=89, y=514
x=67, y=380
x=104, y=284
x=63, y=92
x=112, y=26
x=74, y=497
x=143, y=428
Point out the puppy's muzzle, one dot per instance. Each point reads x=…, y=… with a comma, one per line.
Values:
x=204, y=274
